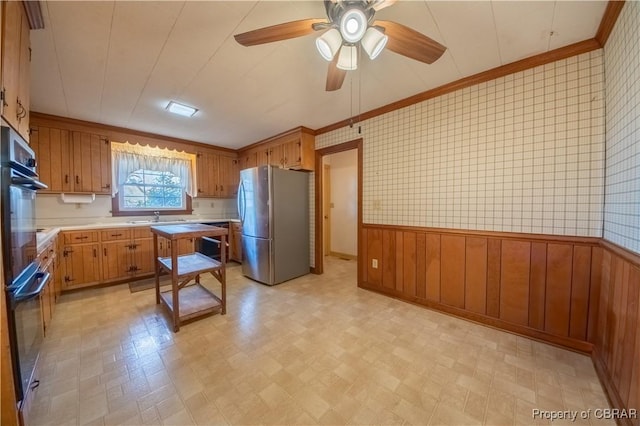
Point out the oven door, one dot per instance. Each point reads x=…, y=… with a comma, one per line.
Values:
x=22, y=229
x=27, y=332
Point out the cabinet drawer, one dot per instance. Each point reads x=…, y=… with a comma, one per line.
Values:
x=115, y=234
x=142, y=232
x=79, y=237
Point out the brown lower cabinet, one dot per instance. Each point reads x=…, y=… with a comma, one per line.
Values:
x=92, y=257
x=235, y=242
x=47, y=261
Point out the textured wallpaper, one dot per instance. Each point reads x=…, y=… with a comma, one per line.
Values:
x=622, y=69
x=522, y=153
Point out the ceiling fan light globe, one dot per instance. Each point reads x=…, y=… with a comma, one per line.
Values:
x=329, y=43
x=348, y=58
x=374, y=42
x=353, y=25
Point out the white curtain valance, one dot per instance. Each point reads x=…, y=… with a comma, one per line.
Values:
x=127, y=158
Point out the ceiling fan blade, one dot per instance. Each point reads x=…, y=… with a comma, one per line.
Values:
x=381, y=4
x=335, y=76
x=410, y=43
x=278, y=32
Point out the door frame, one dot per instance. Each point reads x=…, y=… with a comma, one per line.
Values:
x=319, y=236
x=326, y=209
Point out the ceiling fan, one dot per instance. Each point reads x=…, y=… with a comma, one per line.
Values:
x=350, y=23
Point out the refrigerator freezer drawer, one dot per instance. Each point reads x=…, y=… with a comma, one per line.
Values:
x=256, y=262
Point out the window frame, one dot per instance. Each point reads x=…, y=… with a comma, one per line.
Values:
x=117, y=210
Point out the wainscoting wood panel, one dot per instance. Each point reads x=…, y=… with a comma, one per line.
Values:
x=617, y=335
x=399, y=262
x=421, y=266
x=537, y=289
x=433, y=267
x=580, y=292
x=518, y=282
x=476, y=275
x=409, y=263
x=389, y=263
x=374, y=251
x=559, y=268
x=494, y=250
x=596, y=284
x=514, y=281
x=453, y=264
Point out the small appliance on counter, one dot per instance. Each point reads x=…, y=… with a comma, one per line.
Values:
x=23, y=281
x=273, y=206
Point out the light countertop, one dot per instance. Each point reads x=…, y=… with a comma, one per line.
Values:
x=48, y=234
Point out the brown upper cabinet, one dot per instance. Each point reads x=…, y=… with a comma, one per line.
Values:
x=71, y=161
x=291, y=150
x=217, y=175
x=16, y=63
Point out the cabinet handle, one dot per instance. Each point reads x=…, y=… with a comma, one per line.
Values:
x=82, y=238
x=77, y=179
x=95, y=253
x=221, y=187
x=107, y=186
x=116, y=235
x=3, y=95
x=66, y=178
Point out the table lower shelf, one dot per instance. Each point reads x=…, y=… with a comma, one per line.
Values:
x=195, y=301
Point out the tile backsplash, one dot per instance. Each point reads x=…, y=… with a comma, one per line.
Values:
x=50, y=211
x=521, y=153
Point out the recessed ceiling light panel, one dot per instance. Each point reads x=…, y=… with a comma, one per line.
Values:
x=181, y=109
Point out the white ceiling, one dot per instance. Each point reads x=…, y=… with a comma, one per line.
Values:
x=120, y=63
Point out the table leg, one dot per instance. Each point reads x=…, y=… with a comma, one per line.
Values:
x=174, y=286
x=156, y=266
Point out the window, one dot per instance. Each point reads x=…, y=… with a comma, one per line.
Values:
x=148, y=179
x=153, y=190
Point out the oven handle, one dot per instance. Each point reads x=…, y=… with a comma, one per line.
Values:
x=44, y=279
x=28, y=182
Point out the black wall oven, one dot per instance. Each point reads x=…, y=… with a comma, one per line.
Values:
x=23, y=281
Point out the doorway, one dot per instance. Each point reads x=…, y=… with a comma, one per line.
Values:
x=323, y=205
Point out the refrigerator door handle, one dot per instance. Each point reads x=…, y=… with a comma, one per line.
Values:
x=241, y=194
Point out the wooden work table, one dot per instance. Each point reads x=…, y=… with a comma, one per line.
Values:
x=189, y=303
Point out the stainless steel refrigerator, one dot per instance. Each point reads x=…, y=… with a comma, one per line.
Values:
x=273, y=206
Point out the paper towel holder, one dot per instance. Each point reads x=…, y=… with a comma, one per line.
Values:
x=77, y=198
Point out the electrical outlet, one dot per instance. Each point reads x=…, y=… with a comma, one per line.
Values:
x=374, y=263
x=212, y=205
x=377, y=205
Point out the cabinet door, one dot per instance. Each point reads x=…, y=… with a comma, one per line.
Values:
x=185, y=246
x=207, y=168
x=116, y=260
x=143, y=256
x=229, y=177
x=81, y=265
x=51, y=147
x=292, y=154
x=235, y=243
x=90, y=161
x=262, y=157
x=276, y=156
x=249, y=160
x=11, y=32
x=24, y=79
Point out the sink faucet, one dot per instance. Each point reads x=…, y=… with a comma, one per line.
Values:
x=156, y=217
